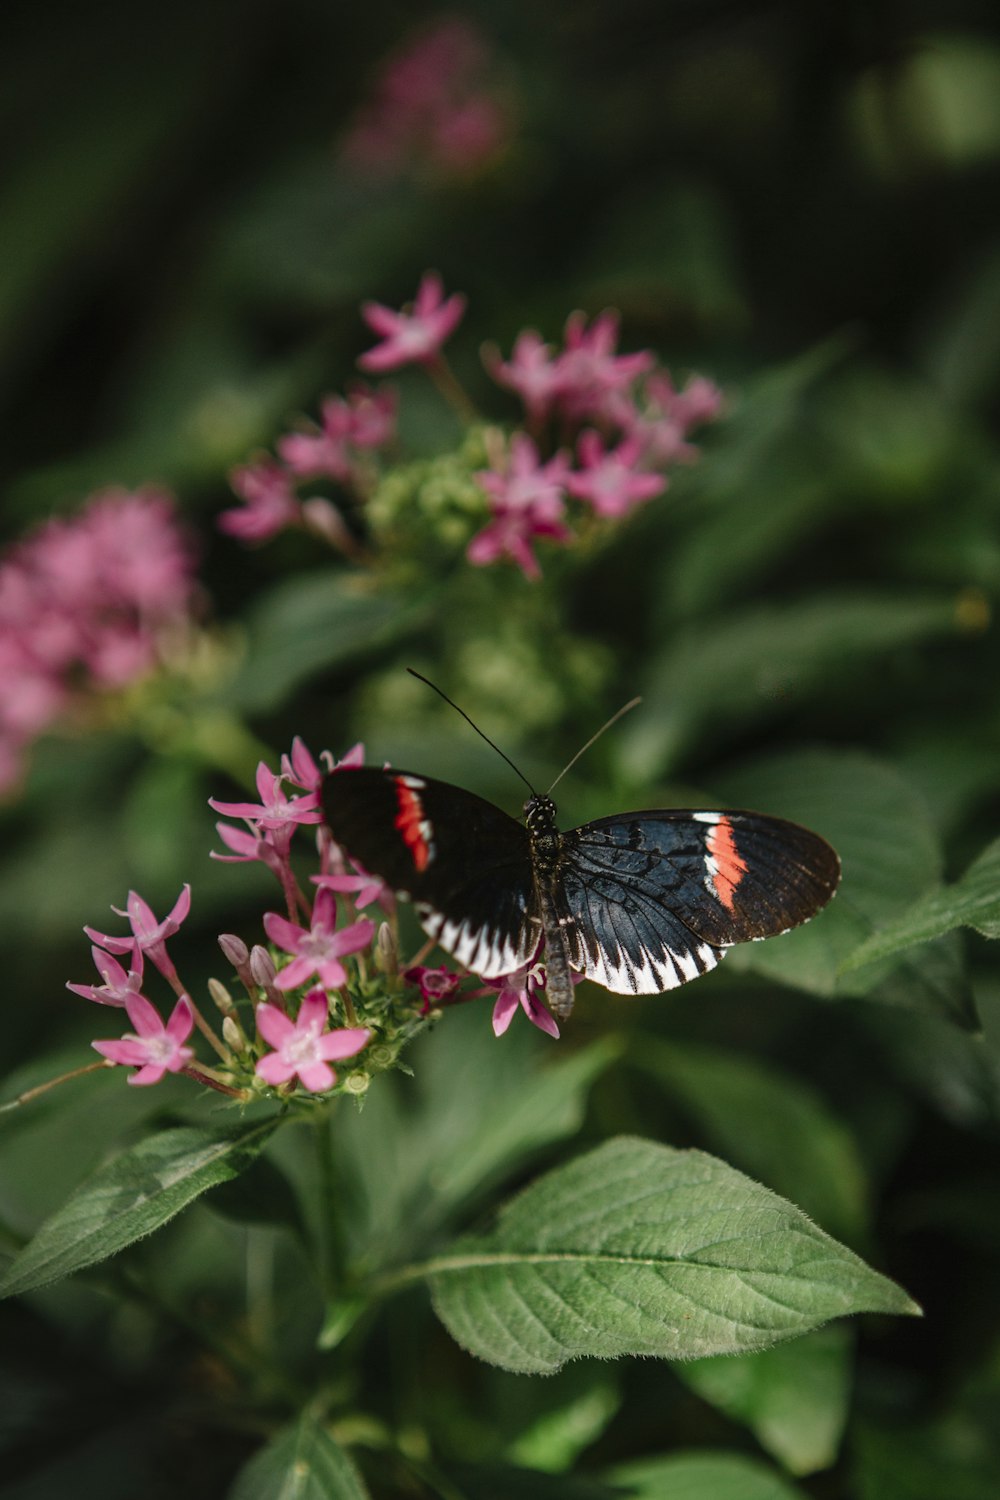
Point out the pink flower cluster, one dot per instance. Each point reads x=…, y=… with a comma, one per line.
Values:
x=86, y=604
x=432, y=104
x=625, y=419
x=629, y=422
x=297, y=1031
x=339, y=448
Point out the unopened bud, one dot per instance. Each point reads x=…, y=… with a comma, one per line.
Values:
x=232, y=1035
x=262, y=970
x=234, y=950
x=220, y=995
x=386, y=950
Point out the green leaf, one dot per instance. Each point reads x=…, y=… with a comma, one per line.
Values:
x=130, y=1196
x=426, y=1147
x=302, y=1463
x=792, y=1397
x=751, y=664
x=769, y=1124
x=311, y=623
x=973, y=901
x=637, y=1248
x=703, y=1476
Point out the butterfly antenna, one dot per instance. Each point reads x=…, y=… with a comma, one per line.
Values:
x=476, y=727
x=625, y=708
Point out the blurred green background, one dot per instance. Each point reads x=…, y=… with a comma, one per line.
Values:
x=799, y=200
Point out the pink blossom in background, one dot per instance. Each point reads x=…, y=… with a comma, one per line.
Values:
x=86, y=602
x=431, y=104
x=592, y=376
x=526, y=499
x=413, y=336
x=304, y=1048
x=270, y=502
x=609, y=479
x=531, y=371
x=154, y=1048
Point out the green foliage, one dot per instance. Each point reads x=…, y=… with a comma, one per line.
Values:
x=199, y=1303
x=640, y=1249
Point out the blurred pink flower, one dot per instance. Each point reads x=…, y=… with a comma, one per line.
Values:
x=271, y=504
x=609, y=478
x=304, y=1048
x=591, y=375
x=526, y=499
x=531, y=371
x=414, y=336
x=432, y=103
x=86, y=602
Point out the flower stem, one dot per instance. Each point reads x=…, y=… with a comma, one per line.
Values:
x=43, y=1088
x=331, y=1250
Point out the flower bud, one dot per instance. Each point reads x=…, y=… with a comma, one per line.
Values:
x=234, y=950
x=221, y=997
x=232, y=1035
x=386, y=951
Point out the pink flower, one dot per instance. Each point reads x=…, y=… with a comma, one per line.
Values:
x=153, y=1048
x=522, y=988
x=415, y=336
x=304, y=1047
x=609, y=478
x=302, y=769
x=590, y=373
x=527, y=502
x=118, y=987
x=700, y=400
x=148, y=935
x=436, y=986
x=531, y=372
x=430, y=104
x=271, y=502
x=367, y=888
x=373, y=415
x=324, y=450
x=319, y=950
x=275, y=811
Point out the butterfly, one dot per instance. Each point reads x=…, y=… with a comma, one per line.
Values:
x=639, y=902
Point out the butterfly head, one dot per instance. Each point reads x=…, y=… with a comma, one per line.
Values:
x=540, y=814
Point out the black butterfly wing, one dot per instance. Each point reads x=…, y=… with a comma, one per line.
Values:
x=652, y=899
x=464, y=864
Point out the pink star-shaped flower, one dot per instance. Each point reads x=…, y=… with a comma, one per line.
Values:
x=590, y=372
x=609, y=478
x=154, y=1048
x=321, y=450
x=522, y=988
x=531, y=372
x=118, y=986
x=319, y=950
x=271, y=503
x=275, y=810
x=304, y=1048
x=415, y=336
x=148, y=935
x=527, y=502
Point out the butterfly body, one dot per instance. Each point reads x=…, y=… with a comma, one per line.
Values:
x=639, y=902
